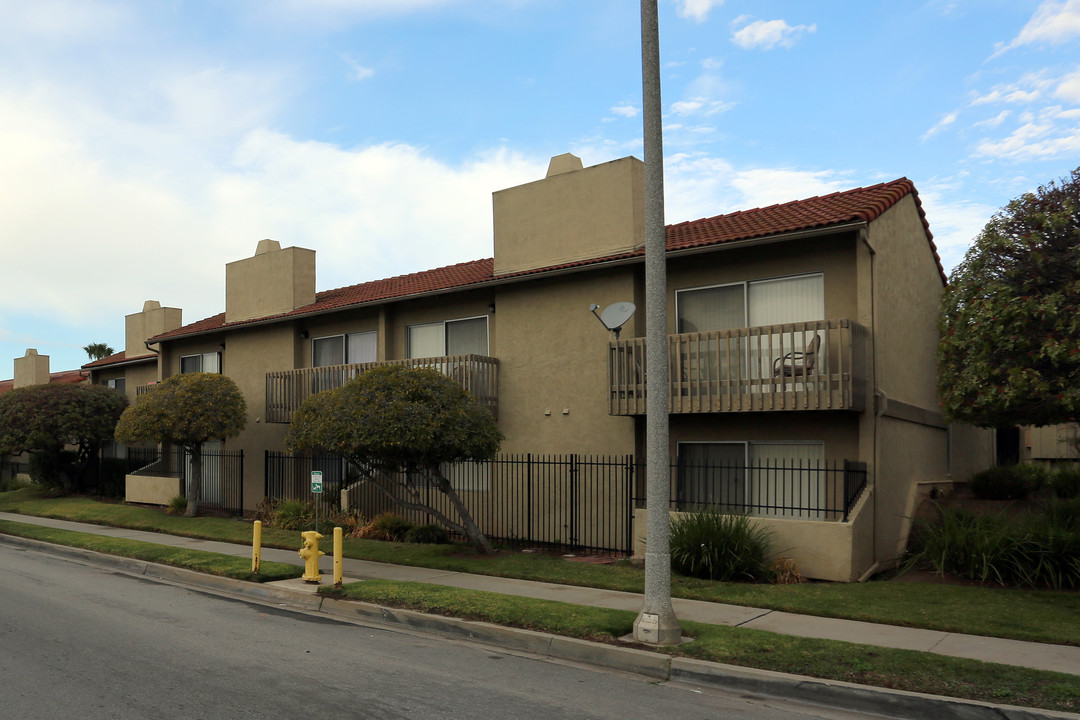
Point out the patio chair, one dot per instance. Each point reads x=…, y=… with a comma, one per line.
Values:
x=797, y=364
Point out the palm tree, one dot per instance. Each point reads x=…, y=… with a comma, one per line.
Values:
x=97, y=351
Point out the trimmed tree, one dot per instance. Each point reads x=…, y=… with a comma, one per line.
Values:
x=186, y=410
x=398, y=425
x=1010, y=323
x=43, y=419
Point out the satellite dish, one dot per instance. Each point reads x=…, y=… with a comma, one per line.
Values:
x=614, y=316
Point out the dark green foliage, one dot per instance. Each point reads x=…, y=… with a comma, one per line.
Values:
x=1038, y=550
x=98, y=350
x=177, y=505
x=43, y=419
x=388, y=526
x=1065, y=482
x=397, y=426
x=186, y=410
x=1010, y=323
x=111, y=477
x=429, y=534
x=715, y=546
x=1009, y=482
x=294, y=515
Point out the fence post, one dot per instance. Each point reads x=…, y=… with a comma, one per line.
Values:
x=529, y=493
x=629, y=503
x=574, y=468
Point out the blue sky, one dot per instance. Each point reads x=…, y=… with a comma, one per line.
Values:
x=144, y=144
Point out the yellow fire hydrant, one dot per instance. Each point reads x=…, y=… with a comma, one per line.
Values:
x=310, y=553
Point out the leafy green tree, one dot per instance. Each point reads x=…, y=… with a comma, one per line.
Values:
x=1010, y=323
x=97, y=351
x=186, y=410
x=397, y=426
x=43, y=419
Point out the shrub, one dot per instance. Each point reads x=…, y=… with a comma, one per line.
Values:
x=1008, y=482
x=177, y=505
x=430, y=533
x=111, y=477
x=294, y=515
x=388, y=526
x=1036, y=550
x=1065, y=482
x=715, y=546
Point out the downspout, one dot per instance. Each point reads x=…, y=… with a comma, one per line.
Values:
x=864, y=237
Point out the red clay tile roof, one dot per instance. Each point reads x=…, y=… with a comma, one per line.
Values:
x=117, y=358
x=65, y=377
x=840, y=208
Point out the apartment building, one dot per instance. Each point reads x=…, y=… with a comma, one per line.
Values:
x=801, y=350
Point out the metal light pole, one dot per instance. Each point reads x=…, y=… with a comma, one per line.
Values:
x=656, y=624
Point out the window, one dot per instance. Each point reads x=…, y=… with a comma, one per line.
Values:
x=453, y=337
x=762, y=479
x=117, y=384
x=361, y=347
x=753, y=304
x=206, y=362
x=800, y=298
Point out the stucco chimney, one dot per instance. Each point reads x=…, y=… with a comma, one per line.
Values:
x=152, y=320
x=31, y=369
x=271, y=282
x=575, y=213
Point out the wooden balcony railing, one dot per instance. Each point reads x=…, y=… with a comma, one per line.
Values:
x=286, y=389
x=755, y=369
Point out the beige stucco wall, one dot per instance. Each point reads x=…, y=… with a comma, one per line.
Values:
x=835, y=551
x=594, y=212
x=553, y=382
x=1050, y=443
x=151, y=490
x=271, y=282
x=152, y=320
x=31, y=369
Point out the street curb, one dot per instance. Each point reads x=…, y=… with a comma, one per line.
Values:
x=730, y=678
x=851, y=696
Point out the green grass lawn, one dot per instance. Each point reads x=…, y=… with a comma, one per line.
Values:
x=828, y=659
x=1037, y=615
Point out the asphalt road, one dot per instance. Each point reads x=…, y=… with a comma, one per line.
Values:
x=80, y=642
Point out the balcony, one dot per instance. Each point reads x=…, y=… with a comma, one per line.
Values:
x=286, y=389
x=755, y=369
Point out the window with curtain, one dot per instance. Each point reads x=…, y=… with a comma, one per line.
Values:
x=351, y=348
x=763, y=479
x=118, y=384
x=452, y=337
x=205, y=362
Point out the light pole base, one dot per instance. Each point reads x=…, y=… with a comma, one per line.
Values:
x=657, y=628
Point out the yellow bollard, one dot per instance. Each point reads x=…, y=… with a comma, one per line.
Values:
x=337, y=557
x=256, y=547
x=311, y=554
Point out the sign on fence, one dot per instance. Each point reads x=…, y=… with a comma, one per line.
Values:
x=316, y=481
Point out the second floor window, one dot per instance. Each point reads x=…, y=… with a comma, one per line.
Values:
x=452, y=337
x=800, y=298
x=205, y=362
x=341, y=349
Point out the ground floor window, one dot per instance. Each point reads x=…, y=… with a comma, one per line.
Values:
x=784, y=479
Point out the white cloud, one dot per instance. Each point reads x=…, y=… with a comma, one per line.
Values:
x=151, y=226
x=1068, y=88
x=994, y=121
x=943, y=123
x=1055, y=22
x=357, y=72
x=954, y=223
x=625, y=110
x=65, y=20
x=1054, y=132
x=767, y=34
x=696, y=10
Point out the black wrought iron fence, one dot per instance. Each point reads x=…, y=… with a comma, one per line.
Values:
x=796, y=489
x=222, y=485
x=575, y=503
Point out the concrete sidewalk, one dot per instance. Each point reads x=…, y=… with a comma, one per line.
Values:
x=1040, y=656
